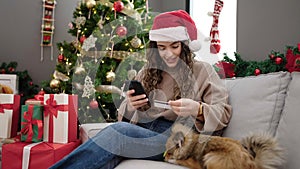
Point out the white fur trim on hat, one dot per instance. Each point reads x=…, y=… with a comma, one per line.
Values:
x=171, y=34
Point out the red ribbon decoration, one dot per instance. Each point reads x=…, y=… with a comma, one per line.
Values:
x=5, y=106
x=29, y=122
x=51, y=109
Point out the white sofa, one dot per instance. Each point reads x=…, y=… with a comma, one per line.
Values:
x=268, y=102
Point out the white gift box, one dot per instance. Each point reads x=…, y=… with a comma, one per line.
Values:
x=63, y=127
x=10, y=116
x=10, y=80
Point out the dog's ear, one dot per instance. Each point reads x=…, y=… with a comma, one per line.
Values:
x=178, y=139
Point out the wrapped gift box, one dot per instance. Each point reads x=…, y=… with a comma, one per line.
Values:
x=32, y=123
x=60, y=118
x=11, y=81
x=42, y=155
x=9, y=115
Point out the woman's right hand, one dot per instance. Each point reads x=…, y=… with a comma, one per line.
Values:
x=135, y=102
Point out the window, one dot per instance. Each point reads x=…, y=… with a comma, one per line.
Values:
x=227, y=27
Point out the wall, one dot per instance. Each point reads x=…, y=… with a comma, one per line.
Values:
x=20, y=33
x=263, y=25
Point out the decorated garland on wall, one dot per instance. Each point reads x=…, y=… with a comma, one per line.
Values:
x=276, y=61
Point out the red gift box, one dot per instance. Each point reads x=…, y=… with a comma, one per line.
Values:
x=40, y=155
x=9, y=115
x=60, y=118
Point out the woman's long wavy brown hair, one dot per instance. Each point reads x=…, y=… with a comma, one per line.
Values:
x=153, y=69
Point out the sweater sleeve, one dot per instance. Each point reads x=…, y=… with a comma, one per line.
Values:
x=214, y=98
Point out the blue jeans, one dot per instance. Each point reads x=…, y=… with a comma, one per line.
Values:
x=117, y=142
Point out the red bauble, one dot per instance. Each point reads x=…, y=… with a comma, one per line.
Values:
x=94, y=104
x=11, y=69
x=82, y=39
x=2, y=71
x=278, y=60
x=31, y=83
x=257, y=72
x=121, y=31
x=118, y=6
x=271, y=56
x=60, y=58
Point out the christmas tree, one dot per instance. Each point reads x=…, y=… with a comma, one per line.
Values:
x=110, y=38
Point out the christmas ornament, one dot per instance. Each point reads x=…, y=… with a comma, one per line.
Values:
x=108, y=89
x=271, y=56
x=79, y=70
x=121, y=31
x=82, y=39
x=257, y=72
x=278, y=60
x=225, y=69
x=131, y=74
x=90, y=3
x=54, y=83
x=93, y=104
x=60, y=76
x=110, y=76
x=89, y=43
x=80, y=21
x=60, y=58
x=118, y=6
x=77, y=86
x=214, y=32
x=100, y=23
x=47, y=26
x=88, y=87
x=136, y=42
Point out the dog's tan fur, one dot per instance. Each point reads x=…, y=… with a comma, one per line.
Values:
x=197, y=151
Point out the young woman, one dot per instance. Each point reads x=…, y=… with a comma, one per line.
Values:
x=192, y=88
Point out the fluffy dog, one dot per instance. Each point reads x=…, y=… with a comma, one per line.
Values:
x=196, y=151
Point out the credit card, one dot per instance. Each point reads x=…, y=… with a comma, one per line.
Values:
x=162, y=104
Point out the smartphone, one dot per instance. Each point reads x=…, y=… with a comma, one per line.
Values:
x=137, y=86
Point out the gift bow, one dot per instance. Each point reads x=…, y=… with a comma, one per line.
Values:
x=51, y=107
x=29, y=122
x=5, y=106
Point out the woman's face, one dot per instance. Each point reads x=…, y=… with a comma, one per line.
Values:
x=169, y=52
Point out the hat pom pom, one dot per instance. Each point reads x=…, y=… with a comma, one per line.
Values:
x=195, y=45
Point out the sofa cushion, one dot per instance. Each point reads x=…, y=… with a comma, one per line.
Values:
x=147, y=164
x=89, y=130
x=288, y=132
x=257, y=103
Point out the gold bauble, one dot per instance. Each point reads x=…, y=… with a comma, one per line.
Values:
x=54, y=83
x=110, y=76
x=136, y=42
x=90, y=3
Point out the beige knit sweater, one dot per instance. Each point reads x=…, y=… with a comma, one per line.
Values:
x=209, y=89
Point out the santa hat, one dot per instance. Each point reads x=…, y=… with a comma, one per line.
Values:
x=175, y=26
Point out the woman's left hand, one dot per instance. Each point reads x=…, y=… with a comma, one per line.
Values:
x=185, y=107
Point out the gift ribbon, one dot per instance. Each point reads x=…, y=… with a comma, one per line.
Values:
x=51, y=109
x=26, y=155
x=29, y=122
x=5, y=106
